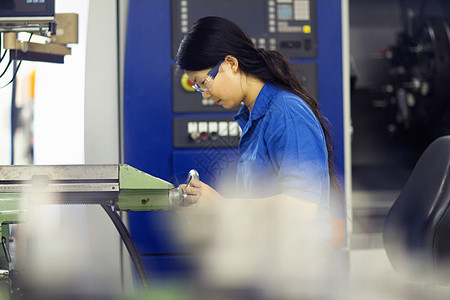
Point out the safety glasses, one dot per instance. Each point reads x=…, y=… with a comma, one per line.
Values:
x=210, y=76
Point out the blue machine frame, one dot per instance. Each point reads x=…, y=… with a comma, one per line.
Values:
x=148, y=114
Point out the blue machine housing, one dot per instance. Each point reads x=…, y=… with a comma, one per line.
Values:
x=148, y=116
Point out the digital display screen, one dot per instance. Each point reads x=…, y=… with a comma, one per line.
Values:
x=257, y=22
x=30, y=5
x=27, y=8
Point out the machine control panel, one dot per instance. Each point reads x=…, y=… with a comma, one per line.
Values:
x=205, y=132
x=288, y=26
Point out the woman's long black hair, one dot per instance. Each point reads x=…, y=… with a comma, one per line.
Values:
x=211, y=39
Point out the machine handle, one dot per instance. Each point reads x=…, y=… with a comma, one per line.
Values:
x=193, y=174
x=177, y=196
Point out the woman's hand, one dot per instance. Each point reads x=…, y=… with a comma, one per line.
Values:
x=202, y=194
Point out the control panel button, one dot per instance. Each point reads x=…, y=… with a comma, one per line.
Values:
x=195, y=136
x=223, y=128
x=203, y=136
x=212, y=127
x=213, y=136
x=301, y=11
x=192, y=127
x=307, y=44
x=203, y=126
x=306, y=29
x=187, y=84
x=233, y=128
x=207, y=101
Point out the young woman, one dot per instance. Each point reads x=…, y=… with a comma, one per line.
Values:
x=285, y=148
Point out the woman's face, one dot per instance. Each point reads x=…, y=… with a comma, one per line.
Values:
x=224, y=88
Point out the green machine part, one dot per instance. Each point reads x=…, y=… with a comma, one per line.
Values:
x=139, y=191
x=11, y=212
x=121, y=187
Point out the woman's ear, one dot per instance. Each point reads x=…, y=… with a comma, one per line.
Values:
x=233, y=62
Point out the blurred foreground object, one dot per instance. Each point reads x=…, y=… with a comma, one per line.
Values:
x=417, y=226
x=253, y=249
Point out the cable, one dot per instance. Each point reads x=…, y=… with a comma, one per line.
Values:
x=17, y=69
x=3, y=56
x=14, y=75
x=7, y=66
x=14, y=117
x=126, y=238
